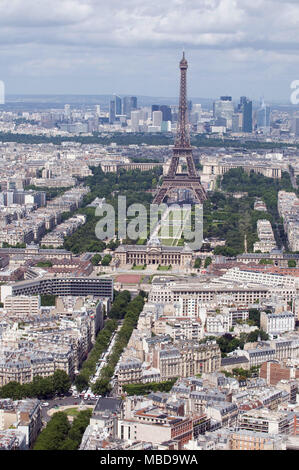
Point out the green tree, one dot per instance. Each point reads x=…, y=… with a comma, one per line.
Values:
x=254, y=315
x=292, y=263
x=54, y=434
x=96, y=259
x=61, y=381
x=197, y=263
x=102, y=387
x=106, y=260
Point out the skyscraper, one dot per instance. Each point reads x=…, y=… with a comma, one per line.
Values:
x=155, y=107
x=135, y=117
x=296, y=126
x=98, y=110
x=166, y=113
x=117, y=100
x=245, y=107
x=112, y=112
x=157, y=118
x=263, y=117
x=224, y=108
x=67, y=111
x=129, y=104
x=115, y=108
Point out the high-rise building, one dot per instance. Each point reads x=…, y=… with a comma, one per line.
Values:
x=263, y=118
x=135, y=117
x=157, y=118
x=67, y=111
x=155, y=107
x=98, y=110
x=224, y=108
x=112, y=112
x=129, y=104
x=196, y=108
x=166, y=113
x=245, y=107
x=296, y=126
x=237, y=122
x=115, y=108
x=117, y=100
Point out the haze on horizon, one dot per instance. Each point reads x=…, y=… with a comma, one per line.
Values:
x=94, y=47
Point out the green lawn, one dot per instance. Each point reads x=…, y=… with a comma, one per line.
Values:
x=167, y=241
x=141, y=241
x=138, y=268
x=72, y=412
x=164, y=268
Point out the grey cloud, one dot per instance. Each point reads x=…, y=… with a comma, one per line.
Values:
x=116, y=40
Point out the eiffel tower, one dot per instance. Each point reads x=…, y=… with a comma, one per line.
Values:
x=182, y=149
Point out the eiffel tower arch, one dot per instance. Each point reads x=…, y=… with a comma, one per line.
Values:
x=175, y=181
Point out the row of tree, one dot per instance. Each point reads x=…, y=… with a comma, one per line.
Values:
x=132, y=312
x=118, y=310
x=101, y=344
x=41, y=388
x=144, y=389
x=198, y=140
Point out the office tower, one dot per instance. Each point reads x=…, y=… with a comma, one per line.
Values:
x=245, y=107
x=237, y=122
x=166, y=126
x=98, y=110
x=175, y=181
x=196, y=108
x=133, y=102
x=263, y=118
x=166, y=113
x=155, y=107
x=157, y=118
x=112, y=112
x=115, y=108
x=92, y=125
x=135, y=117
x=67, y=111
x=296, y=126
x=126, y=107
x=224, y=108
x=117, y=100
x=196, y=114
x=129, y=104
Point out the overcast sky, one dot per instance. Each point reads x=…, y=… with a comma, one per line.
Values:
x=234, y=47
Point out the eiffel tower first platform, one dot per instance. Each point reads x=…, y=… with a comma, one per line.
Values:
x=174, y=181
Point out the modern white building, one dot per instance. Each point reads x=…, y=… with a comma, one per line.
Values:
x=277, y=323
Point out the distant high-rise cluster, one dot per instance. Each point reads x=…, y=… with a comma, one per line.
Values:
x=237, y=119
x=121, y=107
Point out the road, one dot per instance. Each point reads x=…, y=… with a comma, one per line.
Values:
x=104, y=360
x=72, y=401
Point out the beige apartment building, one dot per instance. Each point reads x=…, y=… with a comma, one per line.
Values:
x=250, y=440
x=22, y=305
x=188, y=360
